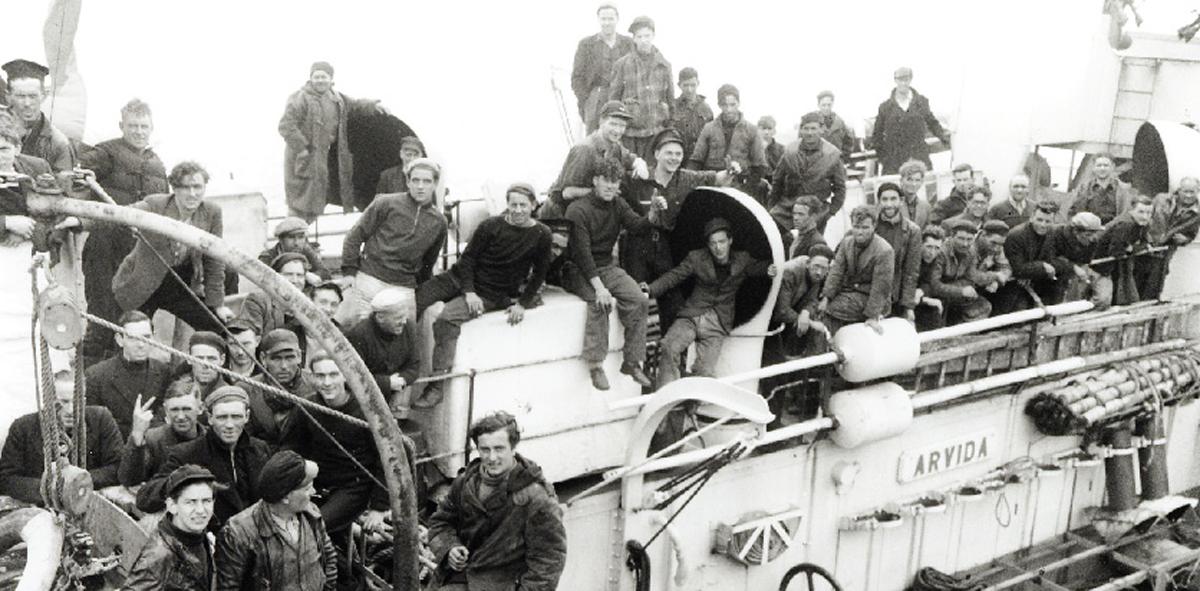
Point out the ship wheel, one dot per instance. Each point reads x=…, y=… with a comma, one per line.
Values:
x=811, y=573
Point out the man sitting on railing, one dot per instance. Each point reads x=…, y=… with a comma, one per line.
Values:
x=859, y=286
x=796, y=306
x=586, y=158
x=1126, y=239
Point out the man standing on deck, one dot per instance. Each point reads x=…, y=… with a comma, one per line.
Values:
x=585, y=159
x=1174, y=223
x=1070, y=249
x=129, y=170
x=395, y=243
x=835, y=130
x=691, y=112
x=26, y=91
x=116, y=383
x=594, y=59
x=732, y=138
x=956, y=202
x=642, y=81
x=901, y=125
x=809, y=166
x=291, y=235
x=1103, y=194
x=1017, y=209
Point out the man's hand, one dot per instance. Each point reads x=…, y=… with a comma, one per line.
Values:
x=604, y=299
x=820, y=327
x=397, y=382
x=1049, y=270
x=734, y=168
x=22, y=226
x=821, y=305
x=516, y=313
x=802, y=327
x=375, y=522
x=934, y=303
x=772, y=270
x=142, y=415
x=457, y=557
x=474, y=304
x=640, y=170
x=875, y=326
x=992, y=287
x=970, y=293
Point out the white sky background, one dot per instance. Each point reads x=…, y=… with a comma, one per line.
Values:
x=473, y=78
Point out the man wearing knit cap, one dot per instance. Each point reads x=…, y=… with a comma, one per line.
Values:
x=292, y=236
x=317, y=164
x=279, y=542
x=226, y=450
x=902, y=123
x=26, y=91
x=388, y=345
x=178, y=553
x=282, y=356
x=210, y=347
x=809, y=166
x=392, y=180
x=396, y=242
x=586, y=158
x=732, y=138
x=594, y=59
x=691, y=112
x=642, y=81
x=502, y=253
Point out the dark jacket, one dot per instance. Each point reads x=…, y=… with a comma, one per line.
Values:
x=690, y=117
x=126, y=173
x=315, y=264
x=594, y=61
x=797, y=292
x=1024, y=249
x=270, y=415
x=1063, y=250
x=582, y=163
x=1006, y=211
x=515, y=536
x=1107, y=201
x=142, y=272
x=304, y=436
x=386, y=354
x=172, y=560
x=839, y=134
x=1170, y=218
x=116, y=383
x=396, y=240
x=237, y=469
x=951, y=272
x=45, y=141
x=392, y=180
x=22, y=458
x=954, y=204
x=644, y=84
x=905, y=240
x=252, y=556
x=711, y=292
x=799, y=245
x=802, y=172
x=899, y=135
x=745, y=146
x=139, y=463
x=867, y=270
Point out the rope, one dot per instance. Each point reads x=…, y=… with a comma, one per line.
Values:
x=713, y=465
x=79, y=451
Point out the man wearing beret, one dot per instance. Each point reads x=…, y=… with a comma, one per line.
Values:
x=292, y=236
x=809, y=166
x=1070, y=249
x=281, y=355
x=388, y=345
x=502, y=253
x=178, y=554
x=500, y=527
x=732, y=138
x=317, y=164
x=586, y=158
x=26, y=91
x=279, y=542
x=642, y=81
x=226, y=450
x=594, y=59
x=707, y=316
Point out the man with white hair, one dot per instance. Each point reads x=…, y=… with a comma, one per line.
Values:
x=387, y=344
x=395, y=243
x=1017, y=209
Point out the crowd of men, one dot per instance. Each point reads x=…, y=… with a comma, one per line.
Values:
x=217, y=441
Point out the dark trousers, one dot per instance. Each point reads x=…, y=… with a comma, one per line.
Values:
x=103, y=252
x=343, y=504
x=178, y=299
x=448, y=326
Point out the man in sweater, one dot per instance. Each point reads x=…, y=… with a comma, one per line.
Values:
x=707, y=316
x=1034, y=275
x=26, y=93
x=488, y=276
x=388, y=345
x=395, y=243
x=117, y=382
x=597, y=222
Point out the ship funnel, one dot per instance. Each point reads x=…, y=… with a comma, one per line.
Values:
x=1163, y=153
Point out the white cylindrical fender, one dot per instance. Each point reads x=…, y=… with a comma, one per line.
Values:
x=869, y=414
x=43, y=539
x=868, y=355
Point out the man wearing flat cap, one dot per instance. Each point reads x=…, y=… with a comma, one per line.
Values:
x=26, y=91
x=283, y=358
x=586, y=157
x=707, y=316
x=178, y=554
x=809, y=166
x=226, y=450
x=280, y=542
x=291, y=235
x=1069, y=249
x=732, y=138
x=503, y=252
x=901, y=125
x=388, y=345
x=954, y=279
x=642, y=81
x=317, y=164
x=594, y=59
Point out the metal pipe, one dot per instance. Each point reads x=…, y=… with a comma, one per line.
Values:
x=683, y=459
x=1004, y=320
x=1152, y=459
x=1118, y=468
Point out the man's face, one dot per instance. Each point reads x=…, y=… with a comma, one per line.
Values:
x=961, y=242
x=688, y=88
x=802, y=217
x=608, y=21
x=978, y=205
x=719, y=244
x=558, y=244
x=292, y=241
x=283, y=364
x=331, y=384
x=242, y=348
x=392, y=321
x=930, y=249
x=181, y=413
x=911, y=182
x=995, y=242
x=963, y=182
x=903, y=82
x=1102, y=168
x=421, y=185
x=228, y=420
x=321, y=80
x=613, y=128
x=301, y=498
x=605, y=189
x=810, y=133
x=863, y=230
x=643, y=39
x=1086, y=237
x=1141, y=213
x=327, y=301
x=203, y=374
x=133, y=349
x=889, y=203
x=818, y=269
x=8, y=154
x=496, y=453
x=729, y=107
x=64, y=399
x=520, y=208
x=1189, y=190
x=136, y=130
x=768, y=132
x=825, y=105
x=190, y=192
x=408, y=154
x=295, y=273
x=25, y=96
x=193, y=509
x=1018, y=188
x=1041, y=222
x=670, y=157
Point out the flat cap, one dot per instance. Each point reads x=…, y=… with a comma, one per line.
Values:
x=226, y=394
x=322, y=66
x=1085, y=220
x=185, y=475
x=615, y=109
x=641, y=22
x=669, y=135
x=290, y=225
x=288, y=257
x=280, y=339
x=21, y=68
x=715, y=225
x=212, y=339
x=391, y=299
x=812, y=117
x=995, y=227
x=903, y=72
x=961, y=225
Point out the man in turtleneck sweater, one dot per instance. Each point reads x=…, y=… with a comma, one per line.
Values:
x=178, y=553
x=117, y=382
x=642, y=81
